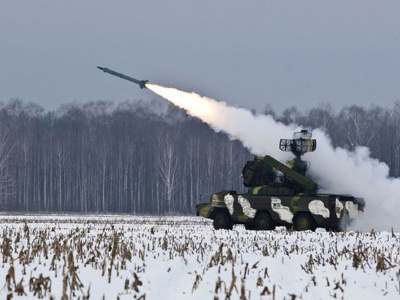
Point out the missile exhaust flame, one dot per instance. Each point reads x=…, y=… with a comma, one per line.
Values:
x=336, y=169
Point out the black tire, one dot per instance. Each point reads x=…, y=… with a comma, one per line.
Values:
x=249, y=226
x=289, y=227
x=304, y=221
x=263, y=221
x=335, y=228
x=222, y=221
x=343, y=224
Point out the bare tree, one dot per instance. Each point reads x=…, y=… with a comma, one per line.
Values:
x=6, y=182
x=290, y=115
x=168, y=169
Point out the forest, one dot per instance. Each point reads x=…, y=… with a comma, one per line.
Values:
x=149, y=157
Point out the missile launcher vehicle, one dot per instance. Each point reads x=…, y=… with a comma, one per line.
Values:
x=281, y=195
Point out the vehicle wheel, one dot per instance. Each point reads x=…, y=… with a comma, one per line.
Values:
x=345, y=222
x=335, y=228
x=222, y=220
x=263, y=221
x=249, y=226
x=289, y=227
x=304, y=221
x=342, y=225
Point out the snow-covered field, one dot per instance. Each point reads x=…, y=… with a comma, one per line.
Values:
x=128, y=257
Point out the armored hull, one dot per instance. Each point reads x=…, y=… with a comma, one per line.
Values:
x=265, y=212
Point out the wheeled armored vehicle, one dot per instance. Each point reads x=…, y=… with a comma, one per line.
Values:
x=281, y=195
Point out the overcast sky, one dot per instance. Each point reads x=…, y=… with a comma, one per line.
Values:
x=247, y=53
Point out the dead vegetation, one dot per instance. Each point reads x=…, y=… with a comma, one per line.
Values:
x=70, y=260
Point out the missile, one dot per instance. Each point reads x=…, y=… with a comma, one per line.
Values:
x=141, y=83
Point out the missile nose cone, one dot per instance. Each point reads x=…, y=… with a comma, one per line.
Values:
x=100, y=68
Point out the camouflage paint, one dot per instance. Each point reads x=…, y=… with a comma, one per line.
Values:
x=317, y=207
x=339, y=208
x=283, y=211
x=352, y=209
x=228, y=199
x=247, y=210
x=327, y=210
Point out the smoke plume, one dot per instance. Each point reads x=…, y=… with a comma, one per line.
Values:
x=336, y=170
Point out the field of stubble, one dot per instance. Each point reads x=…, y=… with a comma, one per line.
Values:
x=124, y=257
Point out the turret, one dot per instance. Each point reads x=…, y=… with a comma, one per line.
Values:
x=261, y=175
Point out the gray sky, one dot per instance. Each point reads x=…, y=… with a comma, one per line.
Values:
x=247, y=53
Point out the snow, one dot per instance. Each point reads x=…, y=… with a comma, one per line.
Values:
x=184, y=257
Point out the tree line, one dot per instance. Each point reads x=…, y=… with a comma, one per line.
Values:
x=148, y=156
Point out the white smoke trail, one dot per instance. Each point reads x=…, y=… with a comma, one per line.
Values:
x=335, y=169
